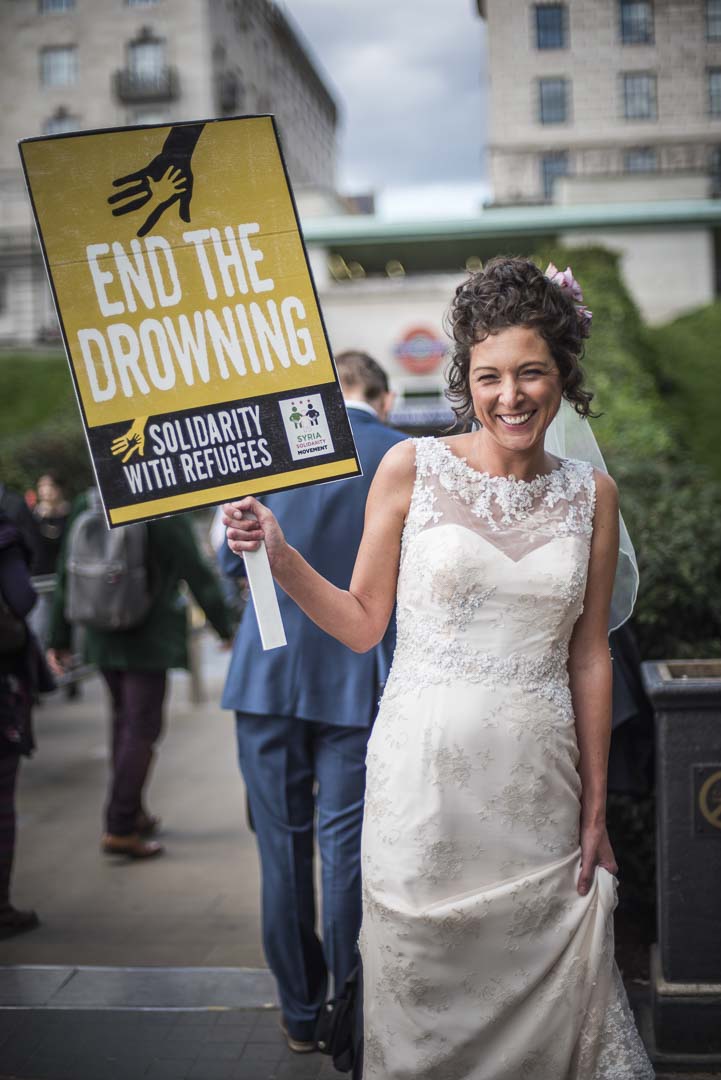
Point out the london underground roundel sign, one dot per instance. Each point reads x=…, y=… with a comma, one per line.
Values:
x=420, y=350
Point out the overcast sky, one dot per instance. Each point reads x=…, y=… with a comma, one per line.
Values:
x=410, y=79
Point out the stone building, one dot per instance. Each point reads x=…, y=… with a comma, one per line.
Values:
x=79, y=64
x=602, y=89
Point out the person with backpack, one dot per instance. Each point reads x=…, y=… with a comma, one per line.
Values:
x=121, y=585
x=22, y=675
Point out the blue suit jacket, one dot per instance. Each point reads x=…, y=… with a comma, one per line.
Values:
x=315, y=677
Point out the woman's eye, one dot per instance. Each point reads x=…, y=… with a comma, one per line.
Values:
x=533, y=372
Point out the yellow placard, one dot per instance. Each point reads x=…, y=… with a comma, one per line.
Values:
x=188, y=312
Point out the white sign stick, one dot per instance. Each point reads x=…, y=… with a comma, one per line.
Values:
x=265, y=601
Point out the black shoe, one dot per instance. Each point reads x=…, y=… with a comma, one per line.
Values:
x=14, y=922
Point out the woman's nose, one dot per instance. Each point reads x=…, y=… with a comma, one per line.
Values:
x=510, y=393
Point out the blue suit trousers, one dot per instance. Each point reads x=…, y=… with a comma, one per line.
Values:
x=291, y=767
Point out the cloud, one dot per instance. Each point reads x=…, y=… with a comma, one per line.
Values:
x=410, y=78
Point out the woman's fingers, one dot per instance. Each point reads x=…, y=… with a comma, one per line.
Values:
x=589, y=860
x=243, y=530
x=584, y=880
x=234, y=512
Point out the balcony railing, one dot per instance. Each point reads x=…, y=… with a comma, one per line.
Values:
x=134, y=86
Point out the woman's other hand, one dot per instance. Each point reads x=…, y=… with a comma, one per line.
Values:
x=248, y=523
x=596, y=851
x=59, y=661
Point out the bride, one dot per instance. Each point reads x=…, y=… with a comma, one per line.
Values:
x=488, y=875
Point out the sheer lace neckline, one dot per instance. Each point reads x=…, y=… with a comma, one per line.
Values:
x=530, y=487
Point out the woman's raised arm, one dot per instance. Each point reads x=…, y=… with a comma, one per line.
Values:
x=357, y=616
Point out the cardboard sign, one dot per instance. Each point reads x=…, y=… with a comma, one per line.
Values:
x=188, y=312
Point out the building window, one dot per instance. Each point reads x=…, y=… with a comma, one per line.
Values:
x=553, y=165
x=714, y=91
x=140, y=3
x=636, y=17
x=713, y=20
x=640, y=159
x=61, y=121
x=58, y=65
x=715, y=171
x=551, y=26
x=639, y=97
x=50, y=7
x=552, y=101
x=146, y=59
x=148, y=116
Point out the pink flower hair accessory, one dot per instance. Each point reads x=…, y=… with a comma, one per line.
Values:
x=565, y=280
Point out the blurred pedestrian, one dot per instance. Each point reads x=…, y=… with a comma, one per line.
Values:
x=22, y=674
x=50, y=515
x=134, y=663
x=14, y=506
x=304, y=714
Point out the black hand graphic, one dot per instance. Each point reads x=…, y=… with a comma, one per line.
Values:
x=166, y=179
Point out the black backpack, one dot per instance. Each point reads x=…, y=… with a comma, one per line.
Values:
x=107, y=586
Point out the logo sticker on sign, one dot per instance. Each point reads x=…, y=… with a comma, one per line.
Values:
x=306, y=426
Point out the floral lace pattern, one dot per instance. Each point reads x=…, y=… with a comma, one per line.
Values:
x=473, y=929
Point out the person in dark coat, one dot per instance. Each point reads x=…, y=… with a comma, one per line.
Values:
x=134, y=664
x=304, y=715
x=22, y=675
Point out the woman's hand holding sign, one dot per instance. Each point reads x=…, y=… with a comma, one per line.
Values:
x=254, y=533
x=248, y=524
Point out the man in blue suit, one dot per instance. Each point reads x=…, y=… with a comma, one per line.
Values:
x=304, y=714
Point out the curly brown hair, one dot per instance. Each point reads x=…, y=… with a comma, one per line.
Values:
x=512, y=291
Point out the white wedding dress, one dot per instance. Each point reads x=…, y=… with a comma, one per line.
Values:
x=481, y=961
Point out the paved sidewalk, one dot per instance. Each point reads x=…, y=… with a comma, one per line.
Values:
x=199, y=903
x=140, y=969
x=156, y=1045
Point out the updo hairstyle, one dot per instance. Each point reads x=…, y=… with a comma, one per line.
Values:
x=512, y=291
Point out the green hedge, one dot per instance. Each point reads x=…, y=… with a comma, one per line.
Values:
x=688, y=366
x=41, y=426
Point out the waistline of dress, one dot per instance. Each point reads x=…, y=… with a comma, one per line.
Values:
x=431, y=659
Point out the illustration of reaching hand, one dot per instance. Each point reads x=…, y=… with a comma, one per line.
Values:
x=173, y=182
x=132, y=440
x=165, y=180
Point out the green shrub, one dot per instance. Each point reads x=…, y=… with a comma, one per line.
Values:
x=687, y=361
x=672, y=512
x=41, y=426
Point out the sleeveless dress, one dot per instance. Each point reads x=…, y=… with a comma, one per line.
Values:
x=480, y=959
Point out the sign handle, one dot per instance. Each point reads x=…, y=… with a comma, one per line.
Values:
x=265, y=600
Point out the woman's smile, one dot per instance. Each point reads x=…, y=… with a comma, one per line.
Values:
x=516, y=420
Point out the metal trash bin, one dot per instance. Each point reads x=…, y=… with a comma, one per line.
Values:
x=686, y=965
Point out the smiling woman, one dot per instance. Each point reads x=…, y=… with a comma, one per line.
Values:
x=514, y=293
x=488, y=874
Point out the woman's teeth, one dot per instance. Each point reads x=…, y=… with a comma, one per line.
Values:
x=514, y=421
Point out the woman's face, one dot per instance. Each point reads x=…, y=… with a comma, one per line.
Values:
x=515, y=386
x=48, y=490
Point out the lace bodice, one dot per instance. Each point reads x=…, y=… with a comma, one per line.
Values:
x=493, y=572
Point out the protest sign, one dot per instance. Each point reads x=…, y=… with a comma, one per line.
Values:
x=188, y=312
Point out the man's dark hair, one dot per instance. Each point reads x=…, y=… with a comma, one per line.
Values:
x=512, y=291
x=358, y=370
